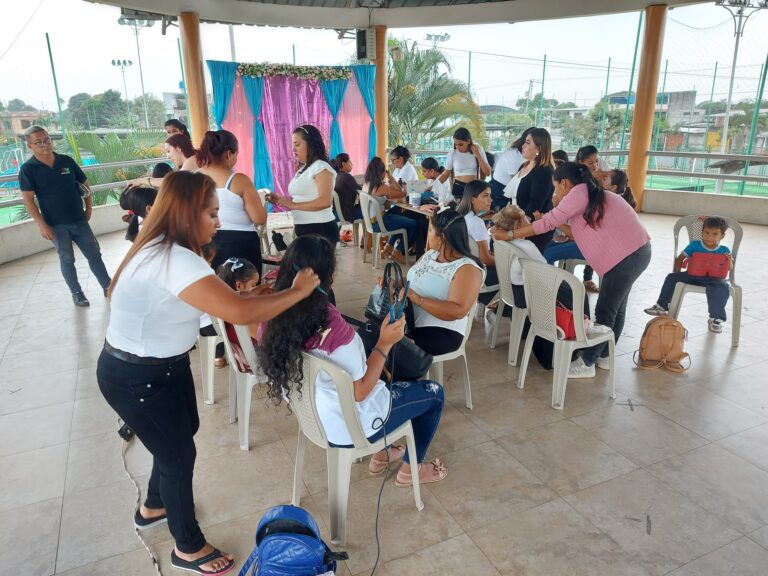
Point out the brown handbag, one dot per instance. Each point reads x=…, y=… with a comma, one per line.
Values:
x=662, y=346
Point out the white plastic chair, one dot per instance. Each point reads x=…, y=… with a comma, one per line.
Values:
x=339, y=460
x=541, y=283
x=243, y=376
x=506, y=253
x=355, y=224
x=206, y=346
x=262, y=230
x=366, y=202
x=480, y=311
x=693, y=225
x=461, y=352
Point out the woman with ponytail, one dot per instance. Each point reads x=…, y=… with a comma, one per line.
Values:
x=613, y=240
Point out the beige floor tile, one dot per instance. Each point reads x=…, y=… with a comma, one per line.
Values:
x=28, y=539
x=33, y=476
x=721, y=483
x=40, y=365
x=701, y=411
x=134, y=563
x=455, y=431
x=235, y=484
x=752, y=445
x=97, y=461
x=87, y=385
x=33, y=429
x=742, y=557
x=761, y=536
x=458, y=556
x=20, y=394
x=639, y=433
x=502, y=409
x=97, y=524
x=552, y=539
x=655, y=525
x=581, y=396
x=745, y=387
x=92, y=416
x=565, y=456
x=217, y=436
x=403, y=530
x=485, y=484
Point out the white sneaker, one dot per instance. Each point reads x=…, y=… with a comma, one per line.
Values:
x=656, y=310
x=594, y=330
x=603, y=363
x=580, y=370
x=715, y=325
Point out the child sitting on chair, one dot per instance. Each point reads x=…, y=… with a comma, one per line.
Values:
x=712, y=233
x=242, y=276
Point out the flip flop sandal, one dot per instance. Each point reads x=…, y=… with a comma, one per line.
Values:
x=403, y=480
x=141, y=523
x=194, y=566
x=376, y=466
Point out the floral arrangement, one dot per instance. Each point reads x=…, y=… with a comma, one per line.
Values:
x=304, y=72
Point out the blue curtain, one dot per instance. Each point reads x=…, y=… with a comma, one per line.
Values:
x=366, y=77
x=262, y=168
x=333, y=91
x=223, y=81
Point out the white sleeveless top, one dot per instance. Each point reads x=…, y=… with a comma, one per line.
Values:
x=232, y=214
x=432, y=279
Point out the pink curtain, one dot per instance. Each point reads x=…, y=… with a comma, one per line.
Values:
x=239, y=121
x=354, y=123
x=289, y=102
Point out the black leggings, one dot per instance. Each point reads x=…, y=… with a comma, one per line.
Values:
x=435, y=340
x=328, y=230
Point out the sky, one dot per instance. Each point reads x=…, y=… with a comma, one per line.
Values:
x=86, y=37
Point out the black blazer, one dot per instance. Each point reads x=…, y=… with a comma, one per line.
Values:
x=535, y=191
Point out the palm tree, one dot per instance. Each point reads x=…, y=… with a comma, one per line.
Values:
x=425, y=103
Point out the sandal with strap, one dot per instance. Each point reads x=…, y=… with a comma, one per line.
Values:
x=403, y=479
x=376, y=466
x=194, y=566
x=590, y=286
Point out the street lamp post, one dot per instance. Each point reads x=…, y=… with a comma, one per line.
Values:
x=123, y=64
x=740, y=11
x=136, y=24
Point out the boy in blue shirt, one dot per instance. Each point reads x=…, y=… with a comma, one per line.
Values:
x=712, y=233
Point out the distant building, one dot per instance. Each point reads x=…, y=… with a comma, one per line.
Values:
x=14, y=123
x=175, y=106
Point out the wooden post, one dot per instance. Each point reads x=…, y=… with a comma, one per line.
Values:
x=645, y=99
x=381, y=93
x=189, y=24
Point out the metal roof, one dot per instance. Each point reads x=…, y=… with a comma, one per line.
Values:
x=350, y=14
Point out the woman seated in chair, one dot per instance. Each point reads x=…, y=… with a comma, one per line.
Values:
x=444, y=284
x=315, y=326
x=474, y=204
x=382, y=187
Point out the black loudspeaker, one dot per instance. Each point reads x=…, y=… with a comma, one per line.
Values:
x=362, y=44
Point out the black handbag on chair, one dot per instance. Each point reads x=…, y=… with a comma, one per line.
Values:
x=405, y=362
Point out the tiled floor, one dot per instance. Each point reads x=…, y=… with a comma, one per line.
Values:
x=671, y=478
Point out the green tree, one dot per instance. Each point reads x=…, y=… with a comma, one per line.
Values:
x=155, y=111
x=18, y=105
x=425, y=103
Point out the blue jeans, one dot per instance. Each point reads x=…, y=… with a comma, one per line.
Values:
x=81, y=234
x=556, y=251
x=395, y=221
x=717, y=291
x=611, y=307
x=421, y=402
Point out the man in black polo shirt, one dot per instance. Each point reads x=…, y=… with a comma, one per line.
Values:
x=56, y=180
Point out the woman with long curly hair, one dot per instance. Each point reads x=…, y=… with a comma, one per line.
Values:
x=157, y=295
x=315, y=326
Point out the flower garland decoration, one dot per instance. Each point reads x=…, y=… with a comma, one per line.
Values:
x=266, y=69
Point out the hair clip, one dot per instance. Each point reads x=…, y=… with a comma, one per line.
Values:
x=443, y=207
x=235, y=263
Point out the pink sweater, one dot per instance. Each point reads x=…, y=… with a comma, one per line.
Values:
x=617, y=235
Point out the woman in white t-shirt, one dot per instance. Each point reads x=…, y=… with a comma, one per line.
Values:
x=473, y=206
x=466, y=162
x=311, y=189
x=441, y=191
x=157, y=295
x=316, y=326
x=404, y=171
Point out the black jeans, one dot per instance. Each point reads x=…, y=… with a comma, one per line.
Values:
x=611, y=307
x=237, y=244
x=328, y=230
x=158, y=403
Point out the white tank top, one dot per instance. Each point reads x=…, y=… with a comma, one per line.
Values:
x=232, y=214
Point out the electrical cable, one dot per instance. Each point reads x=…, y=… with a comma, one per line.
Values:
x=22, y=29
x=137, y=504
